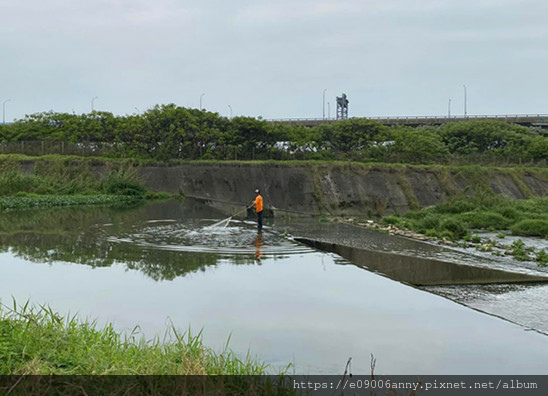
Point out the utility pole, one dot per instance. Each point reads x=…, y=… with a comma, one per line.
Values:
x=323, y=116
x=92, y=100
x=4, y=110
x=465, y=113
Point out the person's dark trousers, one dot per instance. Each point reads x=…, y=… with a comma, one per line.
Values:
x=260, y=220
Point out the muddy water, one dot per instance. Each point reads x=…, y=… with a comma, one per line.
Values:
x=280, y=300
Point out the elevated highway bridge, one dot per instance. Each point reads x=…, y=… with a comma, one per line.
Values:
x=529, y=120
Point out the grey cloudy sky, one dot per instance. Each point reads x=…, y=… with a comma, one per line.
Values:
x=274, y=58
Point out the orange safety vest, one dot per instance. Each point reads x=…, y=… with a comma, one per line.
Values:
x=259, y=203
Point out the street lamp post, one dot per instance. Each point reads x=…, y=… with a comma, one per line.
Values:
x=201, y=96
x=465, y=113
x=93, y=100
x=328, y=110
x=230, y=107
x=4, y=110
x=449, y=109
x=323, y=103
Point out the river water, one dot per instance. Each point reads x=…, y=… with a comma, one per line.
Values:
x=160, y=264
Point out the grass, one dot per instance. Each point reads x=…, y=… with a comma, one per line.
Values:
x=55, y=182
x=133, y=162
x=461, y=214
x=531, y=227
x=38, y=341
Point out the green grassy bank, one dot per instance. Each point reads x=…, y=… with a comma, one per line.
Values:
x=39, y=342
x=461, y=215
x=57, y=181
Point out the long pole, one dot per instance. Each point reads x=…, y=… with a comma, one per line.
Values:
x=449, y=109
x=4, y=110
x=328, y=110
x=465, y=113
x=92, y=100
x=323, y=116
x=201, y=96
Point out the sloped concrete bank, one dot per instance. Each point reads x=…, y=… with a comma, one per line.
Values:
x=420, y=271
x=339, y=189
x=311, y=188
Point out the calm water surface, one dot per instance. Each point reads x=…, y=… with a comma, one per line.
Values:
x=283, y=302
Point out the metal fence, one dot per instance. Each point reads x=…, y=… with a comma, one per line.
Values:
x=37, y=148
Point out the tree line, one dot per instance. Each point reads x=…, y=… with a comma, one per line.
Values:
x=168, y=132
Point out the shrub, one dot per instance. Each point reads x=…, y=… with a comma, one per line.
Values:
x=394, y=220
x=416, y=214
x=456, y=206
x=120, y=184
x=530, y=227
x=13, y=182
x=509, y=212
x=429, y=221
x=542, y=258
x=455, y=227
x=486, y=220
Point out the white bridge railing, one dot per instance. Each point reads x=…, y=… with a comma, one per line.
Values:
x=523, y=117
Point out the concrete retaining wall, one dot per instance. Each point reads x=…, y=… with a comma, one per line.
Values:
x=338, y=189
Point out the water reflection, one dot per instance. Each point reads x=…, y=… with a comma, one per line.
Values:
x=309, y=308
x=163, y=241
x=258, y=246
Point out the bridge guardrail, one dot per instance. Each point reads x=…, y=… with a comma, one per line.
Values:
x=396, y=118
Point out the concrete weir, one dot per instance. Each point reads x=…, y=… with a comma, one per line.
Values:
x=420, y=271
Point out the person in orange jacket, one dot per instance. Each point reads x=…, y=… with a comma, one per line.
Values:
x=258, y=203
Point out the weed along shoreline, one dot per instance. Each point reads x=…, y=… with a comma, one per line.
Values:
x=61, y=182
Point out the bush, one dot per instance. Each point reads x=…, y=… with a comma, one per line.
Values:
x=119, y=184
x=509, y=213
x=454, y=226
x=456, y=206
x=485, y=220
x=531, y=228
x=13, y=182
x=394, y=220
x=429, y=221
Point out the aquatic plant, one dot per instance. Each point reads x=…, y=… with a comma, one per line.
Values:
x=29, y=201
x=518, y=250
x=541, y=257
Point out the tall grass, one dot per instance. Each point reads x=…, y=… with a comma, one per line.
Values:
x=68, y=182
x=460, y=214
x=38, y=341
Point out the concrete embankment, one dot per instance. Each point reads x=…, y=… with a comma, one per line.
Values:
x=420, y=271
x=339, y=189
x=314, y=188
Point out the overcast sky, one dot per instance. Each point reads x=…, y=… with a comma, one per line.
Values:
x=275, y=58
